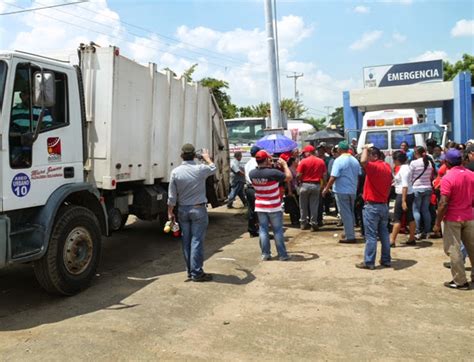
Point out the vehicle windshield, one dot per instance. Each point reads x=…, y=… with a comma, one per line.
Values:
x=3, y=77
x=245, y=131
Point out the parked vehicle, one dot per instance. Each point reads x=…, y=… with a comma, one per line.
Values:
x=83, y=147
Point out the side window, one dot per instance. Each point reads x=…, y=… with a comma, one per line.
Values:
x=401, y=136
x=25, y=116
x=379, y=139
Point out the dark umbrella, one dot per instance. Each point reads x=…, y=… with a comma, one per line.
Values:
x=326, y=136
x=424, y=128
x=276, y=143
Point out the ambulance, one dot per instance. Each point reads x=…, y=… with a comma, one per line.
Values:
x=387, y=129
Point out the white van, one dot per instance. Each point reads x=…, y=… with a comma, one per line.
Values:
x=387, y=129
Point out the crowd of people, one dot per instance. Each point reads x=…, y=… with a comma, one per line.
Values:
x=431, y=187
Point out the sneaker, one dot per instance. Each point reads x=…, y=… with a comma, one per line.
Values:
x=348, y=241
x=253, y=235
x=314, y=227
x=420, y=236
x=285, y=258
x=304, y=226
x=266, y=257
x=453, y=285
x=204, y=277
x=385, y=265
x=363, y=265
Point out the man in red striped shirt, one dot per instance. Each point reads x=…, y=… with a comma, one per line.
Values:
x=265, y=180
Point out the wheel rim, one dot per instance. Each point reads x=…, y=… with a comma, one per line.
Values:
x=78, y=251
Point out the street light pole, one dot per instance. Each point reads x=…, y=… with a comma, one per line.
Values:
x=272, y=67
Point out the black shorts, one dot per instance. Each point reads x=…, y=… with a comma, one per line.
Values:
x=398, y=210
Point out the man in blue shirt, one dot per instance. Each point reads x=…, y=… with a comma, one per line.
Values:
x=344, y=175
x=187, y=189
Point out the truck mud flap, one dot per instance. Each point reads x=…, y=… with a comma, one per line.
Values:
x=4, y=239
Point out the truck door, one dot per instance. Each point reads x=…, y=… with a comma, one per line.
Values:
x=37, y=169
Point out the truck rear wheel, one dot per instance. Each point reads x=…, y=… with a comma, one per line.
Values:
x=73, y=252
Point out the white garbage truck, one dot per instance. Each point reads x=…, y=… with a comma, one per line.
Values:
x=84, y=146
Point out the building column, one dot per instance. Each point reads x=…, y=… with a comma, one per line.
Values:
x=462, y=108
x=352, y=116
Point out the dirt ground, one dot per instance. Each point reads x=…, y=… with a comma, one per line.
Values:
x=317, y=306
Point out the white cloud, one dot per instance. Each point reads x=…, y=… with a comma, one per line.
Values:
x=430, y=55
x=399, y=38
x=361, y=9
x=463, y=28
x=366, y=40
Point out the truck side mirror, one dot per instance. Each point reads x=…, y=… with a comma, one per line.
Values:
x=44, y=92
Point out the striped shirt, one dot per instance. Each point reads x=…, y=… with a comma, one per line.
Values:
x=423, y=182
x=266, y=181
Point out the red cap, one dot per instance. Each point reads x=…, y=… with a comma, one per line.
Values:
x=309, y=148
x=262, y=155
x=285, y=156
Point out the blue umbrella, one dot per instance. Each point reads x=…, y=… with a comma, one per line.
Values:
x=276, y=143
x=424, y=128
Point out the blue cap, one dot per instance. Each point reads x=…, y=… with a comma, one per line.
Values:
x=254, y=150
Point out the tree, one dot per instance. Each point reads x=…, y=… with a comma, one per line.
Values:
x=318, y=123
x=293, y=108
x=466, y=64
x=337, y=117
x=229, y=110
x=188, y=73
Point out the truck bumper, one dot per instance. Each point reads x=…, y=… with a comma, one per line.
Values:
x=4, y=239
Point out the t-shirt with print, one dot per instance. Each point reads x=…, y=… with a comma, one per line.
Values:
x=458, y=186
x=266, y=181
x=403, y=179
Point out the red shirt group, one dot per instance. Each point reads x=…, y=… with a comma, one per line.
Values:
x=378, y=182
x=312, y=169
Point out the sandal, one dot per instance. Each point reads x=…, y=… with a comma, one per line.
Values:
x=393, y=245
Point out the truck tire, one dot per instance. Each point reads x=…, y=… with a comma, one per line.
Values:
x=73, y=253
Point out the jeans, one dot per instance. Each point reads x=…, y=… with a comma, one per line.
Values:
x=193, y=221
x=252, y=226
x=375, y=224
x=309, y=199
x=276, y=220
x=421, y=210
x=236, y=189
x=345, y=204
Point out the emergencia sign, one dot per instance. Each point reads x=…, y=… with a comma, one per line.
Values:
x=403, y=74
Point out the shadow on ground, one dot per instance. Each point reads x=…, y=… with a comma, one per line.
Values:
x=131, y=259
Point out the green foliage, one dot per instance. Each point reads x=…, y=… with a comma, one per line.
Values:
x=188, y=73
x=337, y=117
x=293, y=109
x=218, y=87
x=466, y=64
x=318, y=123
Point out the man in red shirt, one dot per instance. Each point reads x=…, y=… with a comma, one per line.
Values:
x=378, y=182
x=456, y=210
x=310, y=174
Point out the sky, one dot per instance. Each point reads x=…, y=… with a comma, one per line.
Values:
x=330, y=41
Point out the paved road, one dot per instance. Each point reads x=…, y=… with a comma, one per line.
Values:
x=317, y=306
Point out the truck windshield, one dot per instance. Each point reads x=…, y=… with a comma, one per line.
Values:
x=245, y=131
x=3, y=77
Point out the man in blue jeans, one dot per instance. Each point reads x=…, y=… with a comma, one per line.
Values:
x=378, y=181
x=344, y=175
x=266, y=182
x=187, y=189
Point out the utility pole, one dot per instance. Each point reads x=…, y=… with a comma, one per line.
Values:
x=272, y=67
x=295, y=76
x=327, y=116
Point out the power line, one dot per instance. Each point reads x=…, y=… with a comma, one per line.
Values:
x=41, y=8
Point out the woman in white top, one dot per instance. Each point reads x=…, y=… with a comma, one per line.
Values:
x=422, y=172
x=404, y=200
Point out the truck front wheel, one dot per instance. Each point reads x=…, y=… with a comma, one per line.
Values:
x=73, y=252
